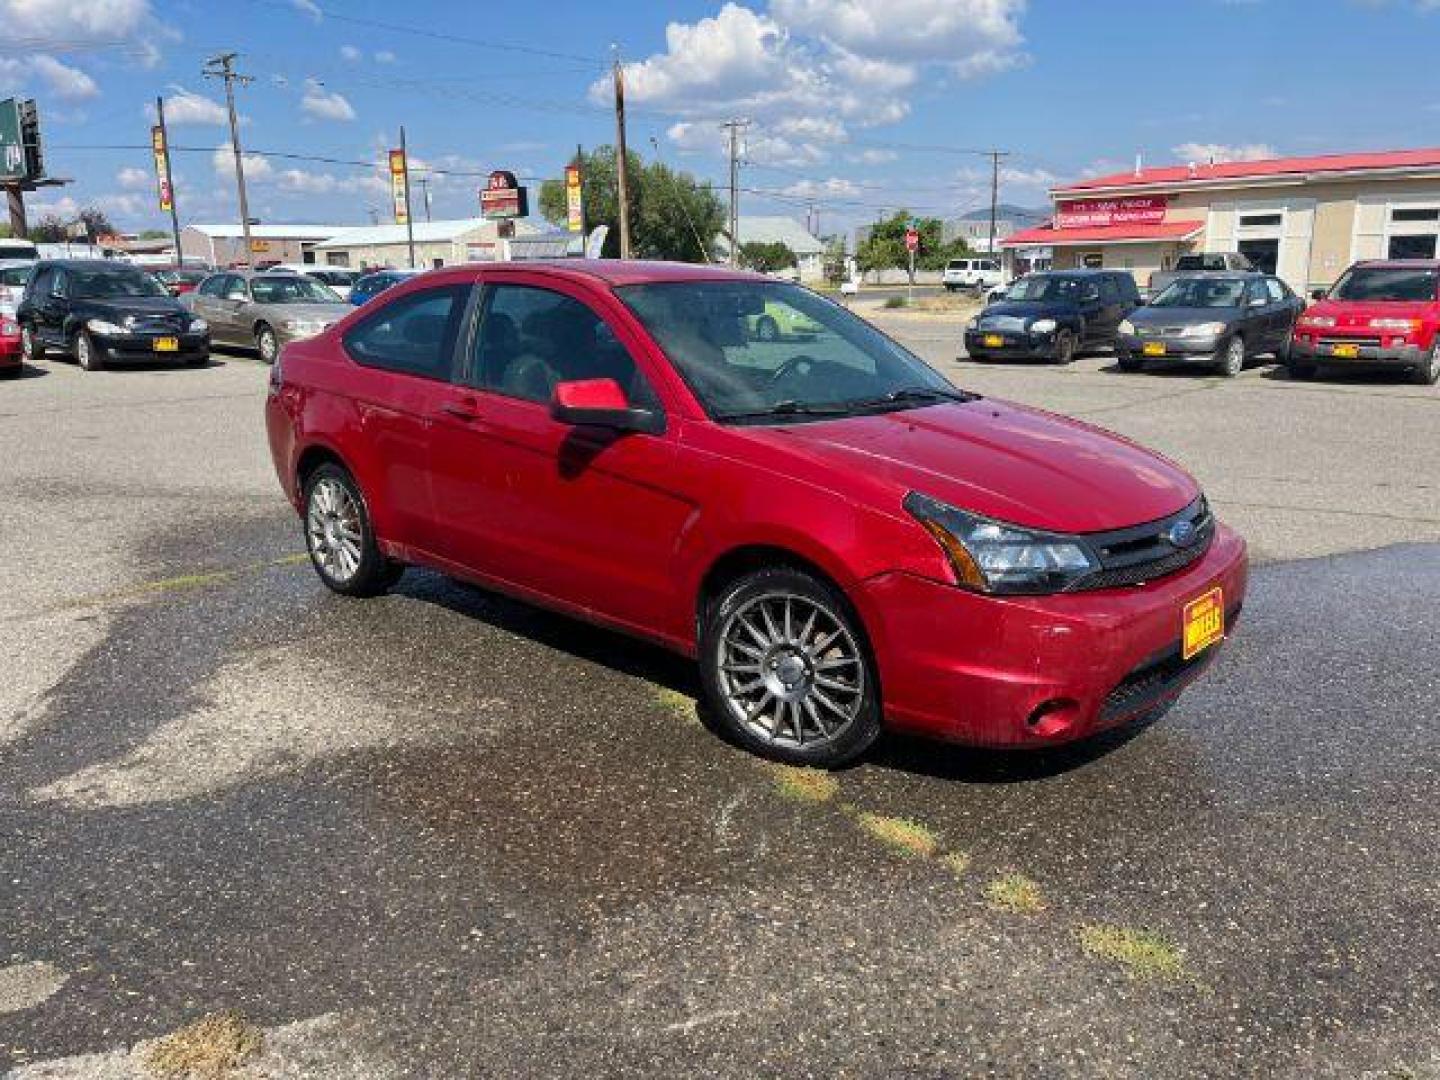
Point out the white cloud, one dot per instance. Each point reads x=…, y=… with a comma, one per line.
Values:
x=874, y=157
x=384, y=56
x=76, y=22
x=972, y=36
x=132, y=179
x=323, y=104
x=65, y=208
x=257, y=166
x=835, y=186
x=184, y=107
x=67, y=83
x=1203, y=153
x=308, y=7
x=350, y=53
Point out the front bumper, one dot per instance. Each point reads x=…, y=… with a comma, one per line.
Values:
x=1367, y=354
x=140, y=348
x=1178, y=350
x=1016, y=344
x=1034, y=671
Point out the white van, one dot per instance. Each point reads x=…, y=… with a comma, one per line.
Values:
x=976, y=274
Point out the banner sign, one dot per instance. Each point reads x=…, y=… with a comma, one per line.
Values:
x=162, y=167
x=13, y=160
x=574, y=199
x=398, y=193
x=502, y=198
x=1090, y=213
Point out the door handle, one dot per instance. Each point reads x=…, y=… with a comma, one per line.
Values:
x=460, y=410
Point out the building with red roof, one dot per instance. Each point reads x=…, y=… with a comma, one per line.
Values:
x=1302, y=218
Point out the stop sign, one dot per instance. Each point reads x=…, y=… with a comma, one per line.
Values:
x=912, y=240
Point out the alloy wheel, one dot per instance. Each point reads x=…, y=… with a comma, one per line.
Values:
x=332, y=524
x=267, y=344
x=27, y=344
x=790, y=671
x=1234, y=361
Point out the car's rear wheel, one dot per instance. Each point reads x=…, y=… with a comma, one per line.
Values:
x=340, y=537
x=86, y=354
x=767, y=329
x=266, y=343
x=1232, y=361
x=1130, y=363
x=1428, y=373
x=787, y=669
x=1064, y=347
x=32, y=350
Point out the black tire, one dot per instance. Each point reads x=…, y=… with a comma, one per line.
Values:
x=32, y=349
x=86, y=355
x=1130, y=364
x=853, y=714
x=1234, y=359
x=267, y=343
x=372, y=574
x=1282, y=353
x=1428, y=373
x=767, y=329
x=1064, y=347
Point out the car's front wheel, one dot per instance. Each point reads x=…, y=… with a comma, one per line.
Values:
x=31, y=349
x=1130, y=362
x=86, y=354
x=787, y=669
x=1232, y=360
x=266, y=343
x=1064, y=347
x=340, y=537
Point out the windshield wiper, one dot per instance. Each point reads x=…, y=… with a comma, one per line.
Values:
x=921, y=395
x=787, y=408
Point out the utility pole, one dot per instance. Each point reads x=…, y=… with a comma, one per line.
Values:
x=409, y=217
x=622, y=159
x=223, y=67
x=425, y=193
x=995, y=156
x=169, y=179
x=735, y=127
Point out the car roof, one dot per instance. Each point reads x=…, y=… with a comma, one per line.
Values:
x=612, y=272
x=88, y=264
x=1401, y=264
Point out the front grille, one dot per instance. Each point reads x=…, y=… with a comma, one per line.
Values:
x=155, y=324
x=1158, y=678
x=1012, y=323
x=1145, y=552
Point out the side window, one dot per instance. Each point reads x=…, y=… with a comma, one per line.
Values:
x=1277, y=291
x=59, y=283
x=532, y=338
x=211, y=285
x=414, y=335
x=1109, y=293
x=40, y=284
x=235, y=288
x=1256, y=291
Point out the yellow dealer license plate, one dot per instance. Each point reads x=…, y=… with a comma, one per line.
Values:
x=994, y=341
x=1153, y=348
x=1350, y=351
x=167, y=344
x=1203, y=623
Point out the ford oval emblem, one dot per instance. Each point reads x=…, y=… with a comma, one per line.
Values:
x=1182, y=534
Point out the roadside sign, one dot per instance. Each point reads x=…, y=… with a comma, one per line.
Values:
x=574, y=199
x=13, y=164
x=912, y=240
x=398, y=193
x=502, y=198
x=162, y=167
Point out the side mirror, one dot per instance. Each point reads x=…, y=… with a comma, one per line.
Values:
x=601, y=403
x=1317, y=294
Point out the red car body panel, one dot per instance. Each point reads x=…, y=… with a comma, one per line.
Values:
x=10, y=356
x=622, y=528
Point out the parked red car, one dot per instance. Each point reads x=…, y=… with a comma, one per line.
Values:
x=843, y=539
x=179, y=280
x=11, y=363
x=1378, y=315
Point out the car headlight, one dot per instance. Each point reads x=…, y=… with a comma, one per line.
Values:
x=198, y=326
x=1204, y=329
x=993, y=557
x=1043, y=326
x=1318, y=322
x=1126, y=327
x=100, y=326
x=1395, y=324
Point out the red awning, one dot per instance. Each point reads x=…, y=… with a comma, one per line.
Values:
x=1046, y=236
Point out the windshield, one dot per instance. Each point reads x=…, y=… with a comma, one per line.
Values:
x=1202, y=293
x=106, y=284
x=1045, y=287
x=1386, y=283
x=291, y=289
x=752, y=350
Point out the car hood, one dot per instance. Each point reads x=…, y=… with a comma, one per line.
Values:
x=1000, y=460
x=1033, y=309
x=115, y=310
x=1181, y=316
x=318, y=312
x=1360, y=312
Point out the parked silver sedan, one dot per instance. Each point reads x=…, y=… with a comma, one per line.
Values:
x=263, y=309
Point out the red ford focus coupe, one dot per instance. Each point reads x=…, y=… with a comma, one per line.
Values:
x=843, y=540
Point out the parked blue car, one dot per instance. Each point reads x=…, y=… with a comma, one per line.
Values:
x=374, y=284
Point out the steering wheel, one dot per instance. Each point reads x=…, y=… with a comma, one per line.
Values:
x=800, y=364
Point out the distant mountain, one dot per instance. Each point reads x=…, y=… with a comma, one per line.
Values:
x=1021, y=215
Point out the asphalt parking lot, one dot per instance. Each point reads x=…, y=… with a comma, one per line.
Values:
x=445, y=834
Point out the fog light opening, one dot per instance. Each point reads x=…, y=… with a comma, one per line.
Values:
x=1053, y=717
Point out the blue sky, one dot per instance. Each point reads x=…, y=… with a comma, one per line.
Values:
x=848, y=98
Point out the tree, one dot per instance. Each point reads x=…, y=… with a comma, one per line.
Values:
x=96, y=223
x=672, y=215
x=766, y=258
x=885, y=249
x=48, y=230
x=154, y=234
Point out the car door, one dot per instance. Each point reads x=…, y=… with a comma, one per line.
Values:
x=1258, y=318
x=52, y=305
x=583, y=516
x=204, y=302
x=1092, y=311
x=1286, y=307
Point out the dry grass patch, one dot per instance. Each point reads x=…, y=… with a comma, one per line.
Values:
x=805, y=785
x=909, y=838
x=1015, y=893
x=957, y=862
x=211, y=1047
x=678, y=705
x=1143, y=953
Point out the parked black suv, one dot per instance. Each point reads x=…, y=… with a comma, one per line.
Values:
x=102, y=312
x=1053, y=315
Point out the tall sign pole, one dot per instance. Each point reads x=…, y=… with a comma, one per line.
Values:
x=223, y=67
x=409, y=219
x=622, y=159
x=165, y=179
